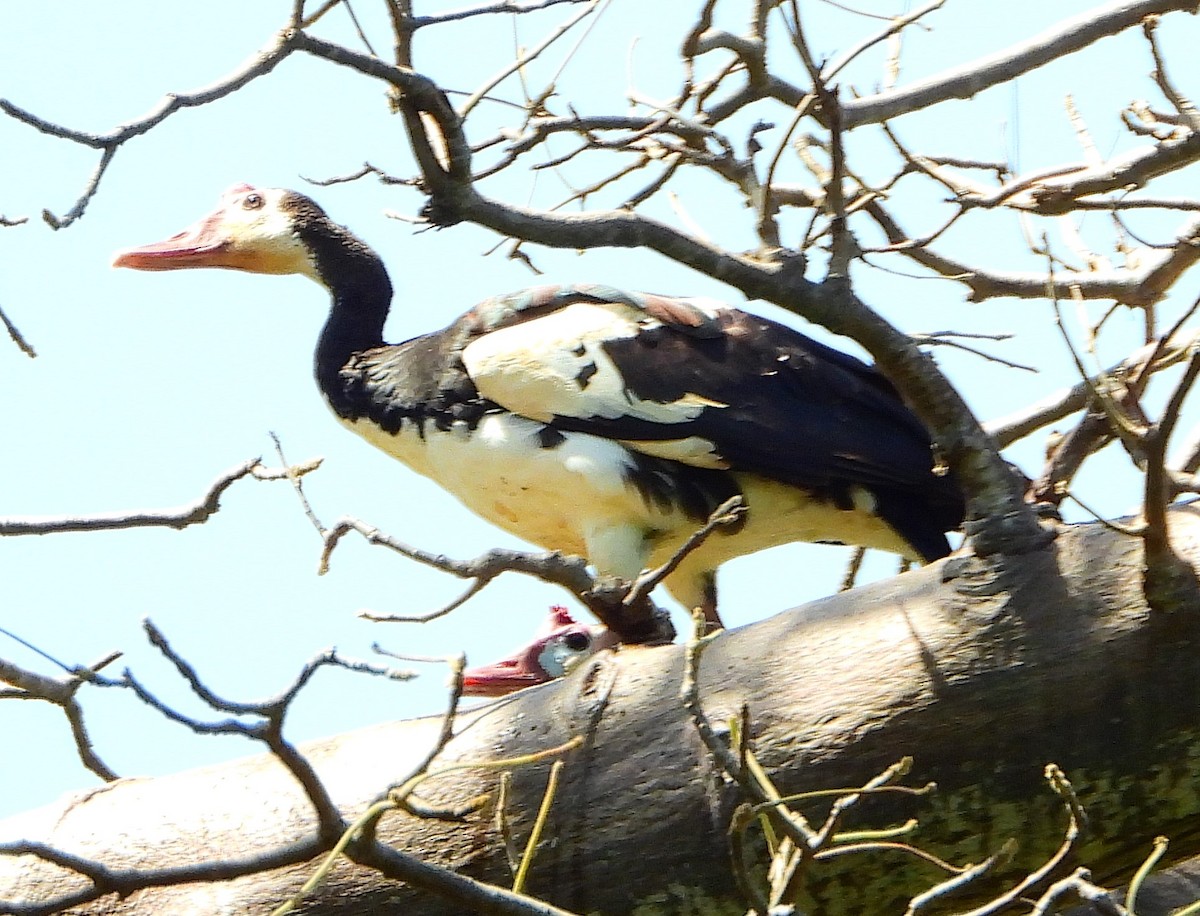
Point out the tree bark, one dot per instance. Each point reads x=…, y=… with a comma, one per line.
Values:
x=984, y=671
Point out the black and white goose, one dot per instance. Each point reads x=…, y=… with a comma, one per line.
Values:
x=598, y=422
x=557, y=649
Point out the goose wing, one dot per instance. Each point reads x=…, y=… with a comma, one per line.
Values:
x=704, y=384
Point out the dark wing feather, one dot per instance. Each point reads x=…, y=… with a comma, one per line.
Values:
x=419, y=381
x=797, y=411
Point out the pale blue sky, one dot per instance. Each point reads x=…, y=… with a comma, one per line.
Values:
x=147, y=386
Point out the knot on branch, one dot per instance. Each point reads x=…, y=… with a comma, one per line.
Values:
x=1008, y=533
x=629, y=613
x=440, y=210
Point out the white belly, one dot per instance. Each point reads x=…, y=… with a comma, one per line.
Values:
x=575, y=497
x=557, y=497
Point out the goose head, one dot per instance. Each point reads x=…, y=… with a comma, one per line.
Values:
x=260, y=230
x=555, y=652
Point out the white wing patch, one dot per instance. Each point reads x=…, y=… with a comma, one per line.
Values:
x=556, y=366
x=693, y=450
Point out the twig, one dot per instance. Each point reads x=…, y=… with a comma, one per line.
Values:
x=946, y=339
x=367, y=169
x=487, y=9
x=1183, y=105
x=749, y=775
x=503, y=826
x=1059, y=41
x=472, y=590
x=357, y=843
x=846, y=800
x=849, y=796
x=1143, y=872
x=193, y=513
x=358, y=29
x=62, y=693
x=272, y=711
x=768, y=230
x=894, y=26
x=1075, y=819
x=260, y=64
x=1169, y=580
x=17, y=337
x=525, y=58
x=623, y=607
x=1079, y=884
x=294, y=475
x=331, y=827
x=725, y=514
x=538, y=825
x=963, y=879
x=570, y=572
x=125, y=881
x=852, y=568
x=1054, y=407
x=1135, y=287
x=457, y=665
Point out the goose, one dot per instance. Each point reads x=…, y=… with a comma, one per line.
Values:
x=598, y=422
x=556, y=650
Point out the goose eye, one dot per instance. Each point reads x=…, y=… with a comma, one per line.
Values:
x=577, y=642
x=252, y=202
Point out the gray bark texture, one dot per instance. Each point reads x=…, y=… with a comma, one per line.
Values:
x=983, y=672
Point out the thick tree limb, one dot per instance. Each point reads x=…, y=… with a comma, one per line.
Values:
x=984, y=674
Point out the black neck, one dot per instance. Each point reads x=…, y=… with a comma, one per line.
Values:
x=362, y=295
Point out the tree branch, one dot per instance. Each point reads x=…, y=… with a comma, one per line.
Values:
x=193, y=513
x=1066, y=38
x=262, y=63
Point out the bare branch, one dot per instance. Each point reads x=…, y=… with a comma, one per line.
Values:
x=61, y=692
x=16, y=336
x=503, y=6
x=1075, y=820
x=1139, y=878
x=964, y=82
x=745, y=771
x=539, y=824
x=894, y=26
x=466, y=892
x=1133, y=287
x=260, y=64
x=124, y=881
x=294, y=475
x=1183, y=105
x=472, y=590
x=603, y=596
x=193, y=513
x=1065, y=402
x=725, y=514
x=524, y=58
x=330, y=824
x=955, y=338
x=1169, y=581
x=1132, y=170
